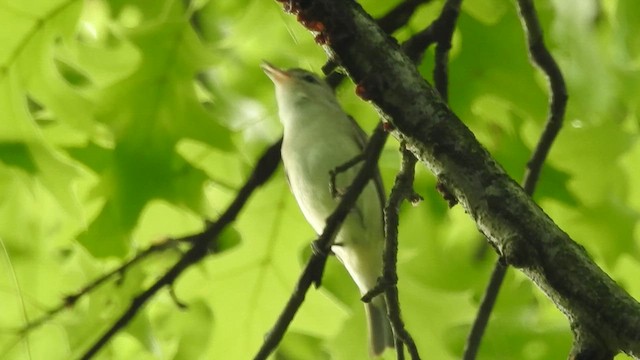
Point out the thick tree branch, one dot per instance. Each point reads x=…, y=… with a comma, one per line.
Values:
x=204, y=243
x=524, y=236
x=315, y=265
x=390, y=22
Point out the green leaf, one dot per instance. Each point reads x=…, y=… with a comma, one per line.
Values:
x=194, y=329
x=609, y=228
x=18, y=155
x=506, y=141
x=149, y=112
x=229, y=239
x=299, y=346
x=140, y=328
x=487, y=11
x=108, y=234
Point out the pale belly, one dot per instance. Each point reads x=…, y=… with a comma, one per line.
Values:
x=308, y=169
x=359, y=242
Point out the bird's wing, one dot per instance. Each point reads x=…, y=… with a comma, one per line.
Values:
x=361, y=139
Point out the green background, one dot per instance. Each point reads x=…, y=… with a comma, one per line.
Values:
x=109, y=145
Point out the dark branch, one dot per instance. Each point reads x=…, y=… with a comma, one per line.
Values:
x=440, y=31
x=420, y=42
x=484, y=311
x=400, y=15
x=315, y=265
x=203, y=243
x=558, y=101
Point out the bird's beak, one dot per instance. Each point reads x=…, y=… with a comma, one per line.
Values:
x=277, y=75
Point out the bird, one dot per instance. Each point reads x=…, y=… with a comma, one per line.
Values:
x=318, y=137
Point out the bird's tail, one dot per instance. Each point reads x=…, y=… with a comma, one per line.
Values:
x=380, y=333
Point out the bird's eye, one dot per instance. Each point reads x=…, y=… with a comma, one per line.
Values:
x=310, y=79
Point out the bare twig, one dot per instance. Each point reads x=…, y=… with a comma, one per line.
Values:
x=420, y=42
x=202, y=242
x=474, y=339
x=71, y=300
x=558, y=101
x=440, y=31
x=446, y=25
x=333, y=174
x=402, y=189
x=400, y=15
x=315, y=265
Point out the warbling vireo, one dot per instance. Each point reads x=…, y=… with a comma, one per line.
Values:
x=318, y=137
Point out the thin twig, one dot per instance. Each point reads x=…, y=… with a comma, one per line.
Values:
x=558, y=99
x=333, y=174
x=70, y=301
x=402, y=189
x=446, y=25
x=440, y=32
x=419, y=42
x=399, y=349
x=484, y=311
x=202, y=242
x=414, y=47
x=557, y=106
x=400, y=15
x=315, y=265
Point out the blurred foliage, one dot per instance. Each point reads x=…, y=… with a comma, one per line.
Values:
x=126, y=122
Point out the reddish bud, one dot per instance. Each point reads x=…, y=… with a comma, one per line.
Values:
x=316, y=26
x=312, y=25
x=361, y=91
x=321, y=39
x=446, y=194
x=388, y=127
